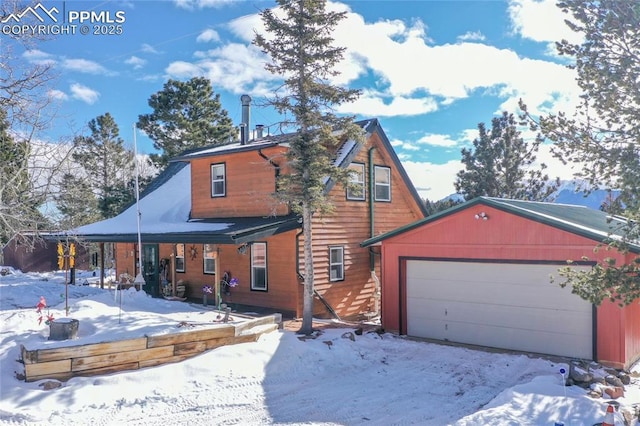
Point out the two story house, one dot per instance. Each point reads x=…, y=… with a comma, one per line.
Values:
x=210, y=216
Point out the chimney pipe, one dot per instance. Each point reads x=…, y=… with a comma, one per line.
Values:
x=259, y=129
x=246, y=116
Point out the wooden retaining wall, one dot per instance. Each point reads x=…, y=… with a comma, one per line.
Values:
x=132, y=354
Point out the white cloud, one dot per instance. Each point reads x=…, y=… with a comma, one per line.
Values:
x=85, y=66
x=437, y=140
x=147, y=48
x=413, y=76
x=238, y=68
x=208, y=35
x=472, y=36
x=136, y=62
x=541, y=20
x=200, y=4
x=433, y=181
x=38, y=57
x=182, y=69
x=58, y=95
x=84, y=93
x=376, y=105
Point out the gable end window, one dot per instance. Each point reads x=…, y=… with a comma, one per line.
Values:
x=383, y=183
x=336, y=263
x=209, y=258
x=218, y=180
x=356, y=191
x=179, y=258
x=259, y=266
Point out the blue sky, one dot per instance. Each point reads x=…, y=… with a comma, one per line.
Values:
x=429, y=70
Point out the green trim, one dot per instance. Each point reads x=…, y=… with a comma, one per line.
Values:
x=578, y=220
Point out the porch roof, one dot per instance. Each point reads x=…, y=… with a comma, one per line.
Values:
x=165, y=218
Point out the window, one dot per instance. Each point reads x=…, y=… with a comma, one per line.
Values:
x=356, y=191
x=209, y=258
x=336, y=263
x=259, y=266
x=383, y=183
x=218, y=180
x=179, y=257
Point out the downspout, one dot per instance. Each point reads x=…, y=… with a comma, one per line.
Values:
x=372, y=259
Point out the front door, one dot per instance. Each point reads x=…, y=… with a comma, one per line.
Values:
x=150, y=266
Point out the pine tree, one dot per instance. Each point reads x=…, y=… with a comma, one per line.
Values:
x=300, y=48
x=107, y=163
x=603, y=135
x=76, y=202
x=502, y=164
x=185, y=115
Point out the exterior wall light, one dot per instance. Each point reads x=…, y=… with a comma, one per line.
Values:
x=481, y=215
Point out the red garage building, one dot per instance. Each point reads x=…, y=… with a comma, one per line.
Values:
x=479, y=273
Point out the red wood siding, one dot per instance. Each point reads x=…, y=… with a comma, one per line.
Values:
x=283, y=286
x=348, y=226
x=250, y=183
x=505, y=236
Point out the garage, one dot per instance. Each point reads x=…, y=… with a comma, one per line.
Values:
x=501, y=305
x=479, y=273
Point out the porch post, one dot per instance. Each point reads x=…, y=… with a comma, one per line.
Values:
x=102, y=265
x=216, y=282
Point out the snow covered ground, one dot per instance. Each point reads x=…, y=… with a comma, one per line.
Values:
x=281, y=379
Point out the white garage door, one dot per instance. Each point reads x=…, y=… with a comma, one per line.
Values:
x=510, y=306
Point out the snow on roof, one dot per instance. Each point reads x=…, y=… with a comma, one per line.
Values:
x=164, y=210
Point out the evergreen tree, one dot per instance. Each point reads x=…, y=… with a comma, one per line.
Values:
x=433, y=207
x=19, y=202
x=299, y=44
x=501, y=164
x=76, y=202
x=107, y=163
x=604, y=133
x=185, y=115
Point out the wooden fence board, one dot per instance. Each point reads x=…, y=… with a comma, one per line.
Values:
x=108, y=370
x=50, y=376
x=104, y=361
x=190, y=336
x=190, y=348
x=44, y=368
x=132, y=354
x=161, y=361
x=117, y=346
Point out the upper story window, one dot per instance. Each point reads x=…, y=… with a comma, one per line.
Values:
x=218, y=180
x=356, y=191
x=179, y=258
x=336, y=263
x=209, y=258
x=383, y=183
x=259, y=266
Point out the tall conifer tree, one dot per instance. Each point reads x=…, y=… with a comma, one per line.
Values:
x=185, y=115
x=299, y=42
x=502, y=164
x=603, y=135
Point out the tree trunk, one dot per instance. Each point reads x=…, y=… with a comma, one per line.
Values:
x=307, y=307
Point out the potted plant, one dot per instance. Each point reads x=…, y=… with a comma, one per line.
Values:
x=206, y=290
x=59, y=329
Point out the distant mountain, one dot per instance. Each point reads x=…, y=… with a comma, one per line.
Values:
x=594, y=199
x=569, y=192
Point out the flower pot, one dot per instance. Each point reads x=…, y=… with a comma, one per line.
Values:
x=63, y=329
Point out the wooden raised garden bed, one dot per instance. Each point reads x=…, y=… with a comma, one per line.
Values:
x=109, y=357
